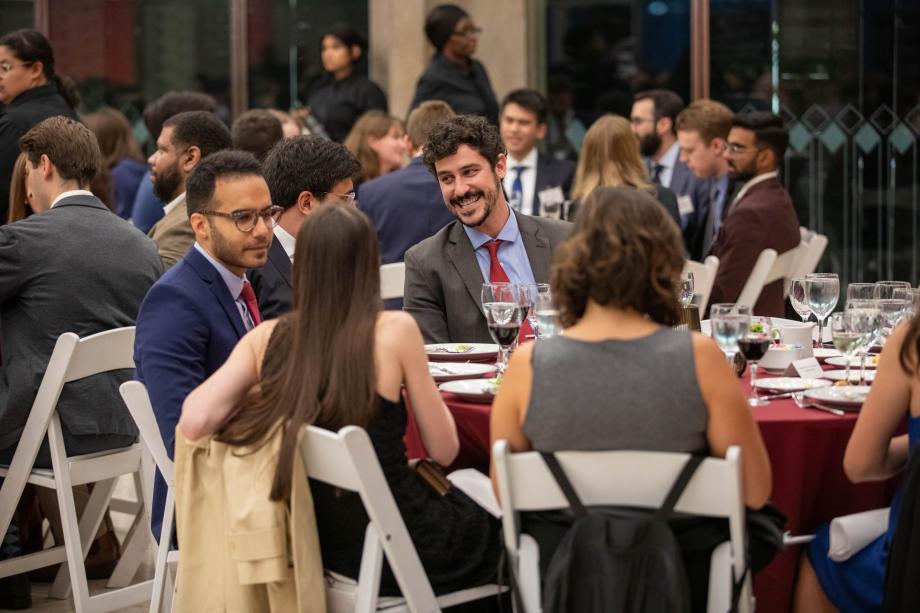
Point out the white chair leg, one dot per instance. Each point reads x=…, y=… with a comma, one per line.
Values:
x=718, y=599
x=134, y=547
x=369, y=574
x=162, y=580
x=87, y=527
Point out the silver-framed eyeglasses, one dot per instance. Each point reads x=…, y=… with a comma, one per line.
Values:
x=348, y=198
x=246, y=219
x=6, y=67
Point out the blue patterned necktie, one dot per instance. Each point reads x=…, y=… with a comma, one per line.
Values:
x=517, y=189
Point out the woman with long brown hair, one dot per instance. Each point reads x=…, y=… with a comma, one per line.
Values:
x=339, y=360
x=19, y=198
x=378, y=141
x=610, y=158
x=121, y=156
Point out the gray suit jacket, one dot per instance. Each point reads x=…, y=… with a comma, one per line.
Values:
x=77, y=267
x=444, y=283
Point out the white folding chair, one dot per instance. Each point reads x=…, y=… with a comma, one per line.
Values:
x=74, y=358
x=346, y=460
x=638, y=479
x=138, y=402
x=763, y=269
x=392, y=280
x=704, y=277
x=813, y=246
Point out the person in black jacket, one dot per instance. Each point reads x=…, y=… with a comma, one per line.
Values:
x=344, y=94
x=32, y=92
x=453, y=75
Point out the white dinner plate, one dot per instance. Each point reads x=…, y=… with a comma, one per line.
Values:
x=823, y=353
x=460, y=352
x=849, y=396
x=475, y=390
x=871, y=362
x=841, y=375
x=789, y=384
x=452, y=371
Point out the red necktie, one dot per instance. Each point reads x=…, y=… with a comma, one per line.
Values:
x=497, y=274
x=252, y=305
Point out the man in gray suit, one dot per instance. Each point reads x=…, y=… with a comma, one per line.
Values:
x=487, y=241
x=73, y=266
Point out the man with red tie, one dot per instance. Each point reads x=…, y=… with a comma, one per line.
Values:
x=488, y=241
x=194, y=315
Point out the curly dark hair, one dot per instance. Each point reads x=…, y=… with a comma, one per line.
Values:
x=202, y=181
x=471, y=130
x=624, y=251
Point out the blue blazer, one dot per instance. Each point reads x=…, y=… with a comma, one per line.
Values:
x=685, y=183
x=406, y=207
x=186, y=328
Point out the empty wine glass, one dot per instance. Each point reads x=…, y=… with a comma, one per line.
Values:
x=884, y=290
x=910, y=296
x=866, y=319
x=728, y=322
x=504, y=313
x=685, y=289
x=860, y=291
x=798, y=300
x=822, y=290
x=847, y=340
x=534, y=290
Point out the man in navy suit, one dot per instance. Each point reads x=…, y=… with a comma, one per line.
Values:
x=653, y=117
x=302, y=173
x=531, y=175
x=406, y=206
x=194, y=315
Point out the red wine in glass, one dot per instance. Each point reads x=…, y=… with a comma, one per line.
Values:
x=753, y=347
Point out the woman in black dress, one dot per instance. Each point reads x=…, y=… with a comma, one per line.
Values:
x=339, y=360
x=453, y=75
x=344, y=93
x=32, y=91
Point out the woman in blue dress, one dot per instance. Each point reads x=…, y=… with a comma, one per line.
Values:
x=875, y=452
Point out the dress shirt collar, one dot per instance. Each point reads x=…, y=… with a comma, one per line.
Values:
x=669, y=159
x=234, y=283
x=173, y=204
x=755, y=181
x=530, y=161
x=73, y=192
x=510, y=232
x=287, y=241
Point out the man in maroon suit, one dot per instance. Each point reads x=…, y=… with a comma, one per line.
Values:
x=761, y=215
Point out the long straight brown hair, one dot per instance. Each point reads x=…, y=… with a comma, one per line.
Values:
x=320, y=366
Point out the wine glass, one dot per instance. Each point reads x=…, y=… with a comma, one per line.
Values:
x=866, y=319
x=822, y=290
x=798, y=300
x=847, y=340
x=909, y=295
x=504, y=313
x=534, y=290
x=685, y=289
x=728, y=321
x=860, y=291
x=754, y=343
x=884, y=290
x=547, y=315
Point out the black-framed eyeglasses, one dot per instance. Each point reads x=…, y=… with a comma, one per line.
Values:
x=247, y=219
x=468, y=31
x=348, y=198
x=6, y=67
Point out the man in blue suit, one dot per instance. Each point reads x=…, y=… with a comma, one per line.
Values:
x=194, y=315
x=406, y=206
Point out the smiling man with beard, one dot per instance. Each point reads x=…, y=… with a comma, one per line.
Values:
x=194, y=315
x=487, y=241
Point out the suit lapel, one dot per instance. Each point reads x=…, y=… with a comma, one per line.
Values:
x=461, y=255
x=542, y=180
x=537, y=246
x=209, y=275
x=280, y=260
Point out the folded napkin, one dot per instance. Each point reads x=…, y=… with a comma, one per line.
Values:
x=850, y=533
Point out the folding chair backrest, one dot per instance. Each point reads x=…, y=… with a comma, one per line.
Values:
x=757, y=278
x=346, y=460
x=102, y=352
x=704, y=277
x=392, y=280
x=813, y=249
x=638, y=479
x=137, y=400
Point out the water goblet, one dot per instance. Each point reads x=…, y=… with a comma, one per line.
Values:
x=798, y=300
x=547, y=315
x=534, y=290
x=860, y=291
x=822, y=290
x=847, y=340
x=728, y=321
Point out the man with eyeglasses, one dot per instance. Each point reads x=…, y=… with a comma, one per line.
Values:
x=302, y=173
x=760, y=216
x=185, y=140
x=194, y=315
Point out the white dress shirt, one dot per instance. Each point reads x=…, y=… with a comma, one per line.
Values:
x=747, y=186
x=173, y=204
x=528, y=180
x=234, y=284
x=668, y=161
x=287, y=241
x=73, y=192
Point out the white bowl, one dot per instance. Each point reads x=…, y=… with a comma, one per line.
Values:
x=778, y=357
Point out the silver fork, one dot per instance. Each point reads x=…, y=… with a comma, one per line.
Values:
x=800, y=402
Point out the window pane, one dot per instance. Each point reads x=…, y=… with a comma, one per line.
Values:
x=125, y=53
x=15, y=14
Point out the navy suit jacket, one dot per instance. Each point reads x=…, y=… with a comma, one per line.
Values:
x=551, y=172
x=272, y=283
x=685, y=183
x=186, y=328
x=406, y=207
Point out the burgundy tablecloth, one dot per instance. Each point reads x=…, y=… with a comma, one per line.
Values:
x=806, y=454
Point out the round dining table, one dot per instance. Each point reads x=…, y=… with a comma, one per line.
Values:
x=805, y=446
